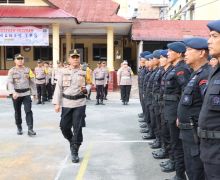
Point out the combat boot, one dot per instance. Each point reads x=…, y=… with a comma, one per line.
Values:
x=74, y=148
x=141, y=115
x=31, y=132
x=144, y=130
x=156, y=144
x=169, y=167
x=97, y=102
x=164, y=163
x=101, y=102
x=19, y=130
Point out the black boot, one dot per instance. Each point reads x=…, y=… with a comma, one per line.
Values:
x=97, y=102
x=74, y=148
x=19, y=130
x=101, y=102
x=31, y=132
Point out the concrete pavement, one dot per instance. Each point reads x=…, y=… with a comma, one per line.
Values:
x=112, y=147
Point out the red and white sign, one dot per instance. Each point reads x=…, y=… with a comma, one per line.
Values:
x=24, y=36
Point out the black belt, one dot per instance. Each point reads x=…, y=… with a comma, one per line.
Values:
x=171, y=97
x=21, y=90
x=40, y=78
x=99, y=79
x=185, y=126
x=204, y=134
x=78, y=96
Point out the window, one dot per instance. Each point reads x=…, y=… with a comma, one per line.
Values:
x=99, y=52
x=43, y=53
x=12, y=1
x=11, y=51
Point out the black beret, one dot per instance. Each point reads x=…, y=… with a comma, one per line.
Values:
x=214, y=25
x=178, y=47
x=196, y=43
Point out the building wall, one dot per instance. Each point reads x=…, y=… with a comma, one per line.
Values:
x=88, y=44
x=35, y=3
x=203, y=10
x=207, y=10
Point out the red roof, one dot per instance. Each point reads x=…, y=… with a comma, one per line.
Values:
x=168, y=30
x=32, y=12
x=91, y=10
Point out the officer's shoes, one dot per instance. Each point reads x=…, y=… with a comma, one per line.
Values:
x=170, y=167
x=74, y=153
x=141, y=115
x=19, y=131
x=160, y=154
x=39, y=102
x=152, y=142
x=164, y=163
x=178, y=178
x=97, y=102
x=148, y=136
x=43, y=102
x=31, y=132
x=126, y=103
x=144, y=130
x=75, y=158
x=144, y=125
x=101, y=103
x=156, y=145
x=141, y=120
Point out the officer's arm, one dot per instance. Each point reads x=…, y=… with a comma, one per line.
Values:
x=119, y=76
x=58, y=92
x=10, y=82
x=93, y=78
x=183, y=76
x=32, y=83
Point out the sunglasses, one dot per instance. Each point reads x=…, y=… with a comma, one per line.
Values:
x=20, y=58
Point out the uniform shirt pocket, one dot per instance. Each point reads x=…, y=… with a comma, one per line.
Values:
x=66, y=80
x=16, y=77
x=214, y=98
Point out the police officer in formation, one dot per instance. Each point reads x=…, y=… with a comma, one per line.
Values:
x=21, y=85
x=41, y=81
x=125, y=81
x=70, y=98
x=190, y=105
x=141, y=72
x=99, y=81
x=209, y=117
x=48, y=71
x=107, y=76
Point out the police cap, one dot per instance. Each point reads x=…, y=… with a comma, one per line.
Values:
x=74, y=52
x=144, y=53
x=156, y=54
x=164, y=53
x=178, y=47
x=17, y=56
x=214, y=25
x=196, y=43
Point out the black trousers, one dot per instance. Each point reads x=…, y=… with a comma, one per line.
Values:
x=100, y=92
x=170, y=114
x=157, y=123
x=125, y=92
x=165, y=134
x=193, y=163
x=41, y=92
x=26, y=101
x=141, y=97
x=106, y=90
x=72, y=121
x=212, y=171
x=49, y=91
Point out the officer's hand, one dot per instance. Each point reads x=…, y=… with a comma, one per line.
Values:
x=177, y=122
x=57, y=108
x=14, y=95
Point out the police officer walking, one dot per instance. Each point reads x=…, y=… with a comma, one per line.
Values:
x=41, y=81
x=190, y=105
x=209, y=124
x=70, y=95
x=21, y=85
x=125, y=82
x=99, y=81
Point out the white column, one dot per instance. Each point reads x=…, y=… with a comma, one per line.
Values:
x=110, y=48
x=68, y=44
x=56, y=43
x=140, y=50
